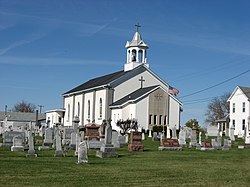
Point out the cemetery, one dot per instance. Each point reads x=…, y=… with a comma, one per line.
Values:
x=64, y=158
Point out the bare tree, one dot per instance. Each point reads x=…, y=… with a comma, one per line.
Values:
x=24, y=106
x=218, y=108
x=127, y=125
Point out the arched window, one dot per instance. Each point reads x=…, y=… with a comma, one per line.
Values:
x=88, y=108
x=68, y=111
x=78, y=109
x=133, y=55
x=100, y=108
x=140, y=55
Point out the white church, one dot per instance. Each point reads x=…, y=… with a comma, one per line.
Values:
x=135, y=92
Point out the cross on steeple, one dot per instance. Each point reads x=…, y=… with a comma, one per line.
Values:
x=142, y=80
x=137, y=26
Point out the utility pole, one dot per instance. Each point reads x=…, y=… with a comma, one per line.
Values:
x=40, y=108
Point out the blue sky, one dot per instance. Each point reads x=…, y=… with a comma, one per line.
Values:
x=48, y=47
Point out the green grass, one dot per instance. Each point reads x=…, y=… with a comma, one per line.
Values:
x=149, y=168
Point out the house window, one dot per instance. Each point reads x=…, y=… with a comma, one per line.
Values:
x=100, y=108
x=68, y=111
x=78, y=109
x=233, y=123
x=243, y=107
x=243, y=124
x=88, y=108
x=150, y=119
x=155, y=119
x=233, y=107
x=59, y=120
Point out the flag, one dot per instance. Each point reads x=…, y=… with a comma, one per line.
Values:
x=173, y=91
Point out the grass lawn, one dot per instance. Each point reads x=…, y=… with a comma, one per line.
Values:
x=149, y=168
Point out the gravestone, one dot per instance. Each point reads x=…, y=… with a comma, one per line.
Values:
x=169, y=144
x=122, y=139
x=182, y=138
x=219, y=143
x=200, y=137
x=214, y=144
x=168, y=132
x=67, y=135
x=206, y=145
x=17, y=144
x=193, y=140
x=58, y=151
x=92, y=136
x=174, y=136
x=83, y=152
x=143, y=136
x=155, y=137
x=135, y=141
x=115, y=140
x=31, y=151
x=48, y=139
x=232, y=138
x=226, y=145
x=9, y=135
x=107, y=150
x=78, y=141
x=73, y=141
x=150, y=133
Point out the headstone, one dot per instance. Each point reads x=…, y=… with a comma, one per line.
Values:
x=169, y=144
x=83, y=152
x=174, y=136
x=58, y=151
x=219, y=143
x=122, y=140
x=182, y=138
x=48, y=140
x=143, y=136
x=193, y=140
x=9, y=135
x=107, y=149
x=168, y=132
x=150, y=133
x=67, y=135
x=78, y=141
x=92, y=136
x=214, y=144
x=135, y=141
x=115, y=140
x=31, y=151
x=206, y=145
x=17, y=144
x=73, y=141
x=155, y=137
x=200, y=137
x=232, y=138
x=226, y=145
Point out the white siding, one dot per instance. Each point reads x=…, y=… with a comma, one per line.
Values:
x=174, y=113
x=238, y=116
x=142, y=113
x=68, y=101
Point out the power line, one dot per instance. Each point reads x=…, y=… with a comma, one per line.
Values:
x=205, y=89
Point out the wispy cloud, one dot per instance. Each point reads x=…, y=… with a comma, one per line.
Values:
x=52, y=61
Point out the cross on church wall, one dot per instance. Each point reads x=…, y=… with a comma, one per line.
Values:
x=158, y=96
x=142, y=80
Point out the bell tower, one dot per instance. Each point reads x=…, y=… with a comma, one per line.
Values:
x=136, y=51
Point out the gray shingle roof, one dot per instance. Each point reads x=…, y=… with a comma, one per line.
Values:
x=99, y=81
x=133, y=96
x=246, y=91
x=22, y=116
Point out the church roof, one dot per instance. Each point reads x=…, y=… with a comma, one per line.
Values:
x=134, y=95
x=96, y=82
x=21, y=116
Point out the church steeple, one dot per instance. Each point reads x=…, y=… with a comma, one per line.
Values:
x=136, y=51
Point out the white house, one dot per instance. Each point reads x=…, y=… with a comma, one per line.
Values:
x=135, y=92
x=54, y=117
x=240, y=111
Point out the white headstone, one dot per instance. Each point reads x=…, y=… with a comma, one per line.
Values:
x=149, y=133
x=200, y=137
x=31, y=151
x=48, y=136
x=83, y=152
x=182, y=137
x=58, y=152
x=174, y=133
